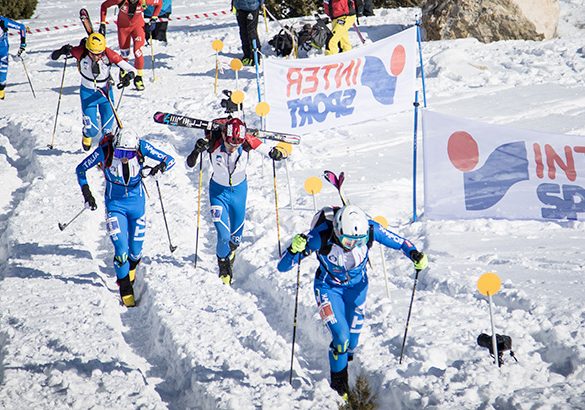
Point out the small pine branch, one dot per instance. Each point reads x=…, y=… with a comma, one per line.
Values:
x=361, y=396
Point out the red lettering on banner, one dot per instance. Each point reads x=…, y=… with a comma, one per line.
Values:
x=312, y=77
x=552, y=157
x=294, y=77
x=538, y=158
x=357, y=69
x=344, y=72
x=327, y=69
x=308, y=80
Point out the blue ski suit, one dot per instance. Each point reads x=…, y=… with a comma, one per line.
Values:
x=228, y=187
x=124, y=198
x=341, y=282
x=95, y=76
x=5, y=25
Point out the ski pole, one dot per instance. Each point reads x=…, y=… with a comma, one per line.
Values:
x=359, y=33
x=255, y=48
x=152, y=57
x=292, y=354
x=28, y=77
x=119, y=101
x=107, y=95
x=265, y=19
x=66, y=224
x=198, y=208
x=276, y=206
x=171, y=247
x=51, y=145
x=408, y=317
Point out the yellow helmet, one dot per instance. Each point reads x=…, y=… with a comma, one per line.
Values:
x=96, y=43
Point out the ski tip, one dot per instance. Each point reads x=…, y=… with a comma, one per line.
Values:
x=158, y=116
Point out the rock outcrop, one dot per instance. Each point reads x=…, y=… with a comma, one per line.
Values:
x=490, y=20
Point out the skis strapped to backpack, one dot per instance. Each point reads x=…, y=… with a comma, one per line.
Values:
x=178, y=120
x=86, y=21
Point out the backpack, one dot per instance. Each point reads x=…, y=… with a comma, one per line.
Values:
x=315, y=36
x=282, y=43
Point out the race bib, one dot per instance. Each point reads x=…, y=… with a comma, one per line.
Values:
x=216, y=211
x=112, y=226
x=326, y=313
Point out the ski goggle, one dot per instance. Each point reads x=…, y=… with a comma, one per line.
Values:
x=124, y=153
x=350, y=241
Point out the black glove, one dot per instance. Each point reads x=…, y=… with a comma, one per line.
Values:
x=420, y=260
x=152, y=24
x=88, y=198
x=201, y=145
x=21, y=49
x=276, y=154
x=160, y=167
x=126, y=79
x=65, y=50
x=102, y=29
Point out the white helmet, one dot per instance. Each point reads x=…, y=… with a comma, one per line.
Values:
x=351, y=226
x=126, y=139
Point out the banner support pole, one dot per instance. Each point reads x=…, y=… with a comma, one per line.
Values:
x=422, y=68
x=414, y=152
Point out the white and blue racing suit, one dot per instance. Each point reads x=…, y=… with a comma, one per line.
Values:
x=228, y=190
x=5, y=25
x=341, y=283
x=124, y=200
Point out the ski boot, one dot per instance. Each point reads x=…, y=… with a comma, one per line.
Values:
x=247, y=62
x=132, y=272
x=86, y=143
x=225, y=270
x=232, y=254
x=340, y=383
x=126, y=291
x=2, y=92
x=138, y=83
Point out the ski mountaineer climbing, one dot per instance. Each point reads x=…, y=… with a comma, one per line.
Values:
x=229, y=149
x=131, y=26
x=122, y=161
x=94, y=61
x=341, y=239
x=5, y=25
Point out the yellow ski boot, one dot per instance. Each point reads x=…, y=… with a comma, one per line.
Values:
x=126, y=291
x=86, y=143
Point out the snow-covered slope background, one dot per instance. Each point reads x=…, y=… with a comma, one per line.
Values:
x=66, y=342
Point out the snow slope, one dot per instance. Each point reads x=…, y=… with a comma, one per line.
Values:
x=192, y=342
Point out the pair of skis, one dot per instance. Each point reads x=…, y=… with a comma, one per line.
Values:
x=178, y=120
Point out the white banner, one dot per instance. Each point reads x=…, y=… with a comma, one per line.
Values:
x=369, y=81
x=478, y=170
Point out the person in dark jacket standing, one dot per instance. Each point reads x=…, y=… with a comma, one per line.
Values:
x=160, y=29
x=247, y=16
x=343, y=16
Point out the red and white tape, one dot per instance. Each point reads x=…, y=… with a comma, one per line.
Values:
x=191, y=17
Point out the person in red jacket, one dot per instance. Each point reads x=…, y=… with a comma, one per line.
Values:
x=343, y=17
x=94, y=61
x=131, y=27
